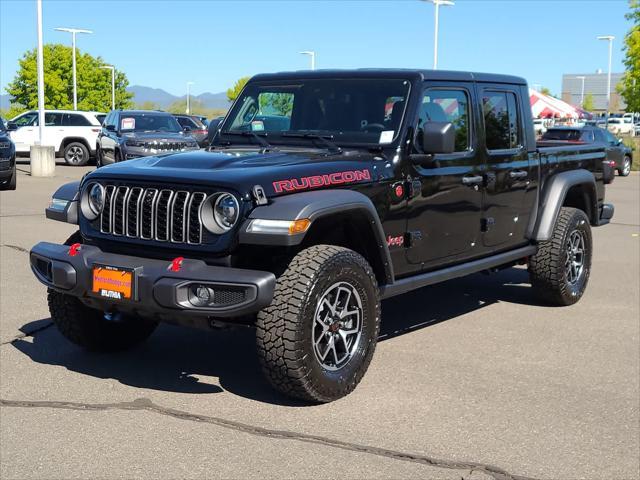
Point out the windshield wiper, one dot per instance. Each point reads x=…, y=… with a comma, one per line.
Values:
x=266, y=146
x=324, y=139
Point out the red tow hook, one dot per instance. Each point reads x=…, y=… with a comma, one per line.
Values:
x=74, y=249
x=176, y=264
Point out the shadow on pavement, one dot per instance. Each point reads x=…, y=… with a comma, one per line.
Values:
x=174, y=357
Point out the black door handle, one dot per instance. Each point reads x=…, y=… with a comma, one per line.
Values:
x=518, y=174
x=475, y=180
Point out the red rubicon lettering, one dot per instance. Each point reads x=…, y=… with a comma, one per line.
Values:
x=316, y=181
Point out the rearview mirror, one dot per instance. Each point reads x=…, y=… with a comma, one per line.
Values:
x=186, y=129
x=11, y=127
x=438, y=137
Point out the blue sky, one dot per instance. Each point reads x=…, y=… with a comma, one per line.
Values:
x=164, y=44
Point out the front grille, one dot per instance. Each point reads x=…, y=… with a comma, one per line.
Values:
x=163, y=215
x=4, y=145
x=164, y=146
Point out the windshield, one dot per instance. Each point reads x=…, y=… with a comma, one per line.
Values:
x=148, y=122
x=569, y=135
x=363, y=111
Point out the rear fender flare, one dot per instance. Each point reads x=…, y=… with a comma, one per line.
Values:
x=553, y=198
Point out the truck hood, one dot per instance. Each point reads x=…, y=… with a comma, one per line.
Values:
x=278, y=172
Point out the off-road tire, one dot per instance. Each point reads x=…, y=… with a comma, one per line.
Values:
x=547, y=268
x=284, y=329
x=11, y=183
x=76, y=154
x=625, y=170
x=88, y=327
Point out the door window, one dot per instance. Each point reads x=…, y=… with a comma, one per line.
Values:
x=501, y=120
x=27, y=119
x=75, y=120
x=51, y=120
x=451, y=106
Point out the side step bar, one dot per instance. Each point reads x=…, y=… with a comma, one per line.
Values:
x=405, y=285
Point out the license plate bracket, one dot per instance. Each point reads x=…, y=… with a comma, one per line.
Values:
x=113, y=283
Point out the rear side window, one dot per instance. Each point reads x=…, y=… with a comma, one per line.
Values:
x=75, y=120
x=187, y=122
x=501, y=120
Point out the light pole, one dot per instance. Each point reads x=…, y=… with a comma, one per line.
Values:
x=73, y=32
x=113, y=84
x=312, y=55
x=610, y=39
x=437, y=3
x=40, y=66
x=188, y=99
x=581, y=77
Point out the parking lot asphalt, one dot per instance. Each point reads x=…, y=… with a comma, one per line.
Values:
x=472, y=379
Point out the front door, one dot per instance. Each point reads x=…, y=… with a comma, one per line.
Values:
x=509, y=187
x=445, y=208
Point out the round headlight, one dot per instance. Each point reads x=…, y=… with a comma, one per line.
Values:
x=95, y=199
x=226, y=211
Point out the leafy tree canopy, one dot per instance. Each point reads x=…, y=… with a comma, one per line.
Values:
x=630, y=87
x=94, y=83
x=589, y=103
x=234, y=91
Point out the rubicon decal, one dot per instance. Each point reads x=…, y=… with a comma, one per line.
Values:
x=317, y=181
x=397, y=241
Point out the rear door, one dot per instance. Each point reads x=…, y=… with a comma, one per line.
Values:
x=445, y=208
x=509, y=192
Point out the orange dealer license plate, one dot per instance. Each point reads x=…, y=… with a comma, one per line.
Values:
x=113, y=282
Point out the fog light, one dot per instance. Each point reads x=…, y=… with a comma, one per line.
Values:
x=201, y=295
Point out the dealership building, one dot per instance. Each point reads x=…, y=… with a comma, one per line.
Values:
x=596, y=85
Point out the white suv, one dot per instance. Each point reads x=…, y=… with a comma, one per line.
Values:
x=73, y=134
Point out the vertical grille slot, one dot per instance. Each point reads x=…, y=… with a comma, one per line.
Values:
x=194, y=225
x=147, y=213
x=118, y=211
x=178, y=216
x=133, y=209
x=105, y=220
x=162, y=215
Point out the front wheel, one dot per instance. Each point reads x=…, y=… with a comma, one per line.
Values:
x=560, y=269
x=76, y=154
x=626, y=167
x=317, y=338
x=12, y=182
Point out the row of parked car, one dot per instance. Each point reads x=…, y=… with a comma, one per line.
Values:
x=120, y=135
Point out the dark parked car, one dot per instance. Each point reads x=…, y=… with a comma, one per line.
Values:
x=128, y=134
x=620, y=156
x=383, y=182
x=195, y=127
x=8, y=174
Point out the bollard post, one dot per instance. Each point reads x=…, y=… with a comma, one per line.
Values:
x=43, y=161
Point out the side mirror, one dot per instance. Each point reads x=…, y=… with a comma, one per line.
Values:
x=438, y=137
x=11, y=127
x=110, y=128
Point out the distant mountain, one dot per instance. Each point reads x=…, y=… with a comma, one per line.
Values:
x=163, y=98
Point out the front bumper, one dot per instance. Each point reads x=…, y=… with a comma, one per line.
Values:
x=160, y=292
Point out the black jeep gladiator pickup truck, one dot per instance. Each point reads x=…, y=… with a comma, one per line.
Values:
x=323, y=193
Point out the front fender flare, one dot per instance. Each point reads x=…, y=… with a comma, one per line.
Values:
x=314, y=205
x=69, y=192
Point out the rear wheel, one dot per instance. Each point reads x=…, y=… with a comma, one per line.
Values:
x=560, y=269
x=76, y=154
x=625, y=170
x=317, y=338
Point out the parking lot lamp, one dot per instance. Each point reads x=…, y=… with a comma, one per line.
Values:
x=73, y=32
x=610, y=39
x=188, y=97
x=312, y=55
x=40, y=67
x=437, y=3
x=581, y=77
x=113, y=84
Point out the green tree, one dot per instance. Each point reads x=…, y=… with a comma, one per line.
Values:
x=94, y=83
x=630, y=85
x=589, y=103
x=276, y=103
x=148, y=105
x=546, y=91
x=234, y=91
